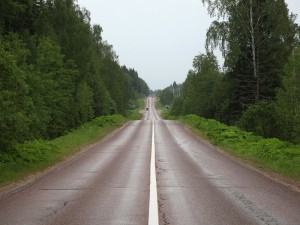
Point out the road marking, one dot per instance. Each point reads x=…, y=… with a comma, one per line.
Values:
x=153, y=207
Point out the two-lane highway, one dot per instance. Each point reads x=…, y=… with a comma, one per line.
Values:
x=110, y=184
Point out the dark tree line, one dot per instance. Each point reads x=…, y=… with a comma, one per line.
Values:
x=258, y=89
x=56, y=72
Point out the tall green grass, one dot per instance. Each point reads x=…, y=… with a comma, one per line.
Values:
x=33, y=156
x=272, y=154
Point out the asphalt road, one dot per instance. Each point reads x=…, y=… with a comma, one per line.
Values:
x=110, y=184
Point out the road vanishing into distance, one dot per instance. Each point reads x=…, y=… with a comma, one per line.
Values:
x=191, y=183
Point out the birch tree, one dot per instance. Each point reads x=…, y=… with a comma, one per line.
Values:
x=255, y=37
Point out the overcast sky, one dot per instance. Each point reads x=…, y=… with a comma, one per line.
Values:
x=158, y=38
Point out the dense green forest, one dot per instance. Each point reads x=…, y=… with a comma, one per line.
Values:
x=259, y=86
x=56, y=71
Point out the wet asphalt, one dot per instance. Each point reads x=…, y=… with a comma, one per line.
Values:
x=109, y=184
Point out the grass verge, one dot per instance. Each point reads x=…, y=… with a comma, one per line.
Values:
x=164, y=112
x=270, y=154
x=134, y=113
x=158, y=104
x=34, y=156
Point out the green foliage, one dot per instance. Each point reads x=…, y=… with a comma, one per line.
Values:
x=35, y=155
x=198, y=91
x=166, y=96
x=84, y=98
x=260, y=119
x=256, y=39
x=101, y=97
x=288, y=100
x=177, y=107
x=56, y=72
x=16, y=16
x=15, y=104
x=34, y=152
x=134, y=113
x=203, y=92
x=205, y=63
x=52, y=90
x=138, y=87
x=273, y=154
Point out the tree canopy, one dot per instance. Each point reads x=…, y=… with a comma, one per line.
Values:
x=257, y=89
x=56, y=71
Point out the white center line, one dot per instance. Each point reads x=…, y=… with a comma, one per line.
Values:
x=153, y=207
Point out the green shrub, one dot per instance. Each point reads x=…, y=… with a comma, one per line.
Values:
x=274, y=154
x=134, y=114
x=165, y=113
x=35, y=155
x=260, y=119
x=35, y=151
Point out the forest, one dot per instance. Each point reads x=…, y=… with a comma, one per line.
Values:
x=258, y=89
x=56, y=71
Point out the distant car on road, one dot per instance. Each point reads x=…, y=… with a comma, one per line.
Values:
x=147, y=109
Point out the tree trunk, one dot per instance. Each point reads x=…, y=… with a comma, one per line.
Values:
x=253, y=47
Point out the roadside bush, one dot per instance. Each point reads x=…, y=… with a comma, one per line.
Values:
x=35, y=151
x=32, y=156
x=177, y=107
x=105, y=120
x=273, y=154
x=260, y=119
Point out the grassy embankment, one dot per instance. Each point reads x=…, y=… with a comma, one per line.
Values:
x=33, y=156
x=269, y=154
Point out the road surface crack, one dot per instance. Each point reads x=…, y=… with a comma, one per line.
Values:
x=161, y=199
x=159, y=169
x=260, y=214
x=52, y=211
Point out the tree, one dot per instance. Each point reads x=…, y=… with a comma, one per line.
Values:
x=288, y=100
x=56, y=72
x=52, y=90
x=15, y=104
x=260, y=119
x=205, y=63
x=199, y=87
x=138, y=87
x=256, y=38
x=84, y=99
x=166, y=96
x=16, y=16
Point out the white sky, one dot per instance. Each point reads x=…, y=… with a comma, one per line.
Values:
x=158, y=38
